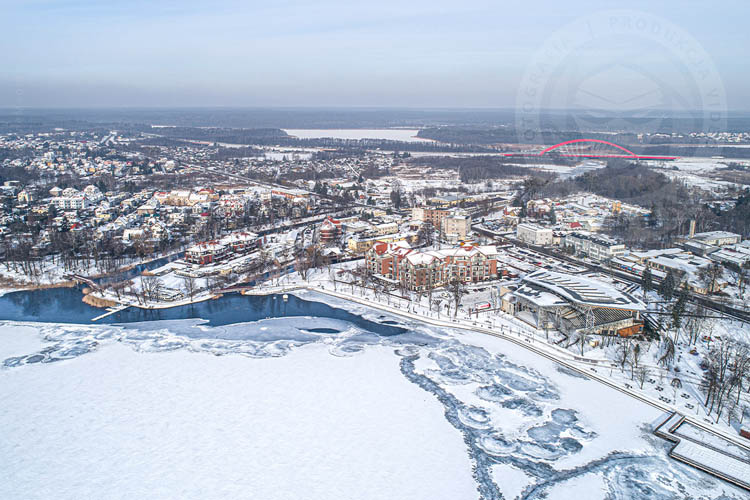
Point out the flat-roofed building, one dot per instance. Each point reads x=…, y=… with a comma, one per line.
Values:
x=718, y=238
x=456, y=225
x=534, y=234
x=594, y=246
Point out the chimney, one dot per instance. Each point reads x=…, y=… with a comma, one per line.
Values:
x=692, y=228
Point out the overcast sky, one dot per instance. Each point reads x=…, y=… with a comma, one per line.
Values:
x=82, y=53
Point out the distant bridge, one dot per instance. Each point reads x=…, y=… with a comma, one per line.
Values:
x=590, y=148
x=77, y=278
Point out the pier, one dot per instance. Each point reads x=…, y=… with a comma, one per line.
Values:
x=110, y=311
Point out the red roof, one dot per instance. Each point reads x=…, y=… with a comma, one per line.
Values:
x=380, y=247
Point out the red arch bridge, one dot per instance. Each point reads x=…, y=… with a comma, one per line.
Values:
x=590, y=148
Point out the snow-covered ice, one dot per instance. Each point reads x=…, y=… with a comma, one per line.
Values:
x=318, y=408
x=18, y=341
x=122, y=424
x=391, y=134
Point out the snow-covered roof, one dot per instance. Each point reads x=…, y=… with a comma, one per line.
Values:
x=241, y=237
x=421, y=258
x=712, y=235
x=583, y=290
x=206, y=246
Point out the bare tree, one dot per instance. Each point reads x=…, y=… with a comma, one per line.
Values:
x=457, y=289
x=676, y=385
x=119, y=287
x=641, y=375
x=582, y=339
x=190, y=286
x=718, y=378
x=710, y=276
x=151, y=287
x=667, y=351
x=635, y=357
x=302, y=265
x=622, y=354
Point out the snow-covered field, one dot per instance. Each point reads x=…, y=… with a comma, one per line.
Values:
x=287, y=155
x=271, y=410
x=700, y=181
x=391, y=134
x=695, y=165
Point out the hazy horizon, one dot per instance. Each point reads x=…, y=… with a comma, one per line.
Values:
x=417, y=55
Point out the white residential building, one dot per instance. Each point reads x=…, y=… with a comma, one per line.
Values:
x=534, y=234
x=596, y=247
x=70, y=202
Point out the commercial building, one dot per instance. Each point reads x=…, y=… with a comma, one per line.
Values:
x=717, y=238
x=735, y=256
x=573, y=303
x=685, y=267
x=383, y=229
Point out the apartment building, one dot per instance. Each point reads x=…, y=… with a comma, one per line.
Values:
x=424, y=270
x=455, y=225
x=594, y=246
x=534, y=234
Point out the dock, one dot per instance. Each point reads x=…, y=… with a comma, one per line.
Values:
x=110, y=311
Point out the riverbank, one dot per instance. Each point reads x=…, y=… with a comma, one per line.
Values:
x=99, y=302
x=234, y=309
x=9, y=286
x=52, y=274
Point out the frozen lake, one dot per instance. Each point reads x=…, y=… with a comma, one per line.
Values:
x=390, y=134
x=282, y=407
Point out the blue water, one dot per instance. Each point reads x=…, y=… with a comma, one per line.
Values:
x=64, y=305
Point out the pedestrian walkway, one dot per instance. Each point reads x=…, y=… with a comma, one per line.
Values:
x=712, y=454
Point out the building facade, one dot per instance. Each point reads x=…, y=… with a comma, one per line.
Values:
x=425, y=270
x=534, y=234
x=455, y=225
x=596, y=247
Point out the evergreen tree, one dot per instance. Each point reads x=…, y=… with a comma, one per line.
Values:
x=667, y=286
x=679, y=308
x=647, y=283
x=653, y=216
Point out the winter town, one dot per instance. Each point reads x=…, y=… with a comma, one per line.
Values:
x=440, y=299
